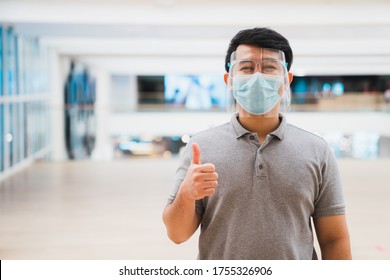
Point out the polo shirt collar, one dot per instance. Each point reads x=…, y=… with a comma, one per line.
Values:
x=238, y=128
x=241, y=131
x=280, y=132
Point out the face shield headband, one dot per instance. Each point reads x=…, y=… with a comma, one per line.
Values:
x=259, y=87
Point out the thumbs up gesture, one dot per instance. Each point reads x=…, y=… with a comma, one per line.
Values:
x=201, y=179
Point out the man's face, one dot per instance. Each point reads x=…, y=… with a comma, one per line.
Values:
x=248, y=60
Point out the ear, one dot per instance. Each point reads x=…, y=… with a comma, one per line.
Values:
x=226, y=77
x=290, y=77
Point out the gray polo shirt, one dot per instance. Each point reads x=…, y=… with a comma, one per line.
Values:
x=266, y=192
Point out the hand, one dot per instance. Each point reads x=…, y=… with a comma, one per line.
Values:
x=201, y=179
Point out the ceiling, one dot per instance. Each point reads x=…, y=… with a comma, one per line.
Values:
x=328, y=37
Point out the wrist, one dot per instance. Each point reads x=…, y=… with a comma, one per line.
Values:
x=184, y=197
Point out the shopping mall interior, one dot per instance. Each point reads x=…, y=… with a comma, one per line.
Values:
x=99, y=98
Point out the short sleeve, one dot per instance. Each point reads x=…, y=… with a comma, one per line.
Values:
x=330, y=199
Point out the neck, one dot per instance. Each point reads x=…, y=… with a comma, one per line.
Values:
x=261, y=125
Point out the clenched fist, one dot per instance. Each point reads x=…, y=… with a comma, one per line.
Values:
x=201, y=179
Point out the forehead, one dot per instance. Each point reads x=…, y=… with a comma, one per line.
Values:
x=254, y=52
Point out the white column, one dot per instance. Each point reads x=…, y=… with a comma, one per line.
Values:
x=103, y=147
x=59, y=67
x=133, y=93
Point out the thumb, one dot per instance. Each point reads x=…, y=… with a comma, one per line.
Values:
x=195, y=153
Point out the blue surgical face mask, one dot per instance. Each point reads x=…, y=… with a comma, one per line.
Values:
x=257, y=93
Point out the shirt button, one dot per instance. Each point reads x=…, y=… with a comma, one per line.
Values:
x=260, y=151
x=260, y=166
x=252, y=137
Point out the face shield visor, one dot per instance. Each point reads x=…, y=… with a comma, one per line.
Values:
x=258, y=87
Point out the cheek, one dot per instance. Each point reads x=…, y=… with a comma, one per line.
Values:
x=282, y=89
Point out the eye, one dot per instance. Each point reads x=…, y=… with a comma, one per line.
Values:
x=271, y=67
x=246, y=67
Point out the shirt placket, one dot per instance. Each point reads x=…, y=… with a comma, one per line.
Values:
x=260, y=164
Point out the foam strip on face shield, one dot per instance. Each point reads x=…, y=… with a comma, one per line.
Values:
x=258, y=84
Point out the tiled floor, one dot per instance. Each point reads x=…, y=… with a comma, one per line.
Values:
x=112, y=210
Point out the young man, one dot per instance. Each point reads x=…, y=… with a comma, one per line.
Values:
x=255, y=183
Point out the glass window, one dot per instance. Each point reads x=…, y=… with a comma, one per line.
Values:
x=1, y=61
x=1, y=137
x=182, y=91
x=328, y=93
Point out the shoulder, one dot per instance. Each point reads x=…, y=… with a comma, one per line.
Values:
x=305, y=135
x=307, y=143
x=214, y=141
x=212, y=133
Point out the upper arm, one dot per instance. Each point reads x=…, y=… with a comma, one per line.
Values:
x=333, y=237
x=330, y=227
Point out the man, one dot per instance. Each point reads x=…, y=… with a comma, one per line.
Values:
x=256, y=183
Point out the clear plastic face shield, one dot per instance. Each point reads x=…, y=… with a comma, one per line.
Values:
x=258, y=83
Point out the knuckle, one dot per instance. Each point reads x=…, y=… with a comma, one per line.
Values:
x=211, y=191
x=196, y=168
x=196, y=193
x=197, y=177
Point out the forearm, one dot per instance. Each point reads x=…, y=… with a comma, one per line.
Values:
x=180, y=219
x=180, y=216
x=338, y=249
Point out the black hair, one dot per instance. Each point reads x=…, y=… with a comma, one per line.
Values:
x=261, y=37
